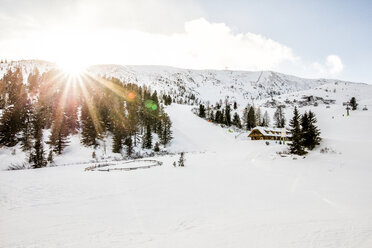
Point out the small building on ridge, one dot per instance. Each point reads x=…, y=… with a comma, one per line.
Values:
x=268, y=133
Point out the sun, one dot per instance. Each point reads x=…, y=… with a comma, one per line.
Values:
x=72, y=67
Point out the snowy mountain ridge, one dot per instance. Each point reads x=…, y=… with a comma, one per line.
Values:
x=206, y=85
x=212, y=85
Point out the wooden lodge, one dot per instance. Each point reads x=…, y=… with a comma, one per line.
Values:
x=266, y=133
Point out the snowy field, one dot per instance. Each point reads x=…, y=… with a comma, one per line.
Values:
x=233, y=192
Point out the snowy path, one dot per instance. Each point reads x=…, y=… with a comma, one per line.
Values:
x=235, y=194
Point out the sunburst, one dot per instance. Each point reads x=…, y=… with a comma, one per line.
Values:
x=72, y=68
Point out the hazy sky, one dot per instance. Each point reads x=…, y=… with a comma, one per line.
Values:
x=314, y=38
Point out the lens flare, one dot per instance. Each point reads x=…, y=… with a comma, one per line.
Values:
x=131, y=95
x=148, y=103
x=151, y=105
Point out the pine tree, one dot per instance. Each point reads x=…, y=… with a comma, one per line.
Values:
x=58, y=138
x=154, y=97
x=201, y=111
x=296, y=146
x=37, y=156
x=167, y=100
x=251, y=123
x=353, y=103
x=147, y=141
x=128, y=142
x=311, y=133
x=211, y=116
x=279, y=118
x=236, y=120
x=3, y=95
x=9, y=127
x=166, y=134
x=133, y=118
x=27, y=127
x=235, y=105
x=33, y=81
x=15, y=87
x=120, y=135
x=219, y=116
x=227, y=115
x=305, y=129
x=12, y=119
x=89, y=132
x=156, y=147
x=154, y=110
x=72, y=122
x=117, y=142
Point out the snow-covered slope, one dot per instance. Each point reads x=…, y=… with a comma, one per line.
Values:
x=340, y=92
x=232, y=193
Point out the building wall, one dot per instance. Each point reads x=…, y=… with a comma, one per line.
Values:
x=261, y=137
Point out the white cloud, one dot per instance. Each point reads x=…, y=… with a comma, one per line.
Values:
x=199, y=45
x=333, y=66
x=214, y=45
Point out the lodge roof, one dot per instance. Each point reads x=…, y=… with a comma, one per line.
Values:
x=270, y=131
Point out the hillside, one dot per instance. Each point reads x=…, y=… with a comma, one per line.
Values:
x=210, y=85
x=205, y=85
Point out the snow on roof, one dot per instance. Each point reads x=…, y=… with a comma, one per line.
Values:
x=270, y=131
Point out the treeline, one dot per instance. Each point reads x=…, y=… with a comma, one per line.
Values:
x=93, y=107
x=252, y=116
